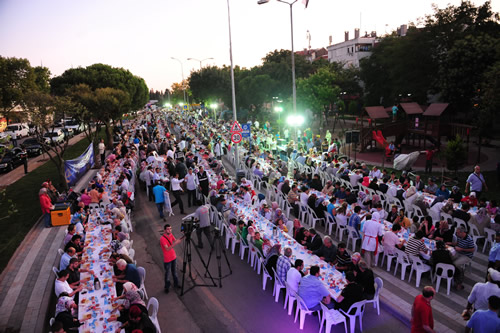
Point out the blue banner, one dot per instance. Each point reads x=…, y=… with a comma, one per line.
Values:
x=75, y=169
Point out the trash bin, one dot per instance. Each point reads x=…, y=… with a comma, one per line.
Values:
x=239, y=175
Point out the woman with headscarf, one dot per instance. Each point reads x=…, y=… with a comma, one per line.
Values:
x=410, y=194
x=130, y=297
x=272, y=257
x=65, y=310
x=278, y=214
x=138, y=320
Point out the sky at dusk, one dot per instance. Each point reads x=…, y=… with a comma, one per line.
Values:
x=142, y=36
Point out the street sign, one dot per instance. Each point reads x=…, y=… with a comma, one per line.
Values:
x=236, y=137
x=236, y=127
x=246, y=130
x=185, y=107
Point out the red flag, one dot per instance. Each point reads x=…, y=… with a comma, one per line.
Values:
x=305, y=2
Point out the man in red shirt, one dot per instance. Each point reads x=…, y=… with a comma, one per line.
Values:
x=422, y=320
x=168, y=242
x=47, y=206
x=429, y=154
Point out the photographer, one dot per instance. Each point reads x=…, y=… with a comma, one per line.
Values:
x=168, y=242
x=202, y=214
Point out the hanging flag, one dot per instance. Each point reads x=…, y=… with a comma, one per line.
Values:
x=305, y=2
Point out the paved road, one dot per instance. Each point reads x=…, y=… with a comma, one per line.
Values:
x=239, y=306
x=34, y=162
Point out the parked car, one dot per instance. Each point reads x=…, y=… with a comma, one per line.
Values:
x=33, y=147
x=53, y=137
x=68, y=131
x=71, y=124
x=11, y=159
x=21, y=130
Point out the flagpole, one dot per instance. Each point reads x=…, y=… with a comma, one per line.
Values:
x=235, y=145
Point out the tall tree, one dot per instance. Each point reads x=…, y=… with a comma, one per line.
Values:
x=16, y=80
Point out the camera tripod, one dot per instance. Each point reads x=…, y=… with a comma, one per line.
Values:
x=186, y=262
x=219, y=249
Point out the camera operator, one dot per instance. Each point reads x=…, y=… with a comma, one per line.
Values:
x=168, y=242
x=202, y=214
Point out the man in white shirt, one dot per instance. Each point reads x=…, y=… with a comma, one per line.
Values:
x=102, y=151
x=480, y=293
x=371, y=229
x=355, y=177
x=176, y=191
x=191, y=185
x=61, y=284
x=293, y=275
x=247, y=198
x=378, y=213
x=149, y=182
x=391, y=240
x=375, y=173
x=304, y=196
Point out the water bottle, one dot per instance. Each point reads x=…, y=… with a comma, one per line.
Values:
x=97, y=284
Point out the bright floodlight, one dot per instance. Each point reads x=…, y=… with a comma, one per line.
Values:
x=295, y=120
x=181, y=104
x=213, y=106
x=168, y=105
x=278, y=109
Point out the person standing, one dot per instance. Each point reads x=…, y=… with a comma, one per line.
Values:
x=372, y=229
x=203, y=181
x=429, y=154
x=46, y=205
x=14, y=139
x=149, y=182
x=486, y=321
x=102, y=151
x=159, y=193
x=168, y=242
x=476, y=183
x=176, y=191
x=191, y=183
x=421, y=312
x=24, y=158
x=202, y=214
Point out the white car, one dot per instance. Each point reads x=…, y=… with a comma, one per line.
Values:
x=53, y=137
x=21, y=130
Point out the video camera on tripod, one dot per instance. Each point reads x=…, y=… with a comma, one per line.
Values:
x=189, y=224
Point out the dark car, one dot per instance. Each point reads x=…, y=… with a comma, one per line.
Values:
x=33, y=147
x=11, y=159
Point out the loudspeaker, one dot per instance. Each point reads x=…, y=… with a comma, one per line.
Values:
x=352, y=137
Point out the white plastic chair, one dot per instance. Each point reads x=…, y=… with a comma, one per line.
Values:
x=94, y=206
x=402, y=260
x=419, y=268
x=355, y=311
x=376, y=299
x=389, y=258
x=352, y=236
x=278, y=285
x=446, y=271
x=330, y=222
x=142, y=274
x=153, y=302
x=489, y=237
x=60, y=251
x=447, y=217
x=341, y=229
x=252, y=255
x=265, y=274
x=313, y=218
x=303, y=310
x=56, y=271
x=131, y=253
x=331, y=317
x=303, y=217
x=243, y=247
x=289, y=298
x=52, y=321
x=418, y=212
x=460, y=223
x=474, y=233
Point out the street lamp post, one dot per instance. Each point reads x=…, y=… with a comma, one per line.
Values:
x=182, y=72
x=294, y=90
x=200, y=61
x=236, y=157
x=279, y=109
x=295, y=121
x=214, y=107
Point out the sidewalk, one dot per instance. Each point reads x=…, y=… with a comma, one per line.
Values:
x=27, y=283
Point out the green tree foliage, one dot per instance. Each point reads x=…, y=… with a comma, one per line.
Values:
x=319, y=90
x=105, y=92
x=455, y=154
x=448, y=56
x=17, y=79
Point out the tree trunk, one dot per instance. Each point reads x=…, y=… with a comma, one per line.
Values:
x=109, y=135
x=63, y=184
